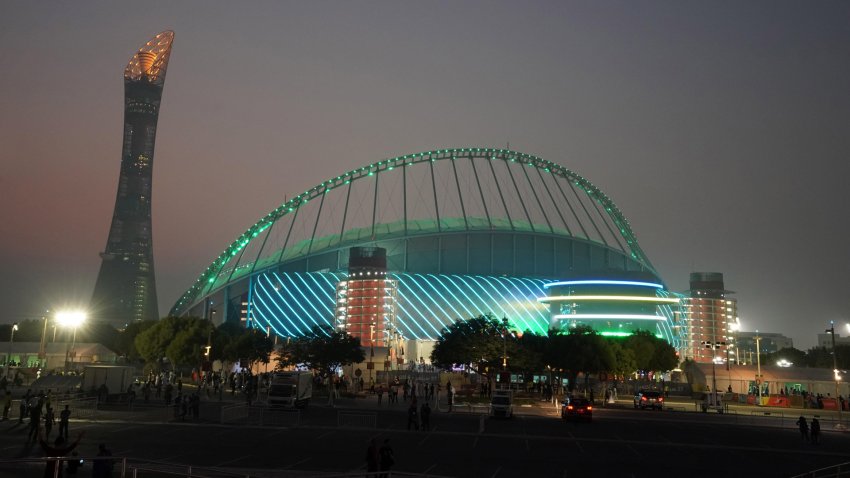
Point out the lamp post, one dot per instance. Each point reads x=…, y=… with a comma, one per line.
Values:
x=71, y=318
x=713, y=346
x=505, y=343
x=9, y=357
x=758, y=364
x=831, y=330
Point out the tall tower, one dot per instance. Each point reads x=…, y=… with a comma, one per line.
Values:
x=126, y=290
x=712, y=318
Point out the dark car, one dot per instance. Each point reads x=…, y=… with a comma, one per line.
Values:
x=577, y=409
x=649, y=399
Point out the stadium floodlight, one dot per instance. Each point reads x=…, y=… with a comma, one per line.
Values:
x=71, y=318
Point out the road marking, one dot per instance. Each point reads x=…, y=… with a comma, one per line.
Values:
x=230, y=461
x=496, y=472
x=475, y=442
x=629, y=446
x=325, y=434
x=423, y=440
x=429, y=469
x=297, y=463
x=580, y=448
x=481, y=424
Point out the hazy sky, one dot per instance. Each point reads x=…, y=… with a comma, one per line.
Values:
x=720, y=129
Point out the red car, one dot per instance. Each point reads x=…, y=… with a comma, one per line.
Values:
x=577, y=409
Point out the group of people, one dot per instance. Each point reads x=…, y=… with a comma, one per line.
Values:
x=805, y=433
x=379, y=459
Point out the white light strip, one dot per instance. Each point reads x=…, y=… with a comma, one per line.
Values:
x=668, y=300
x=604, y=282
x=610, y=316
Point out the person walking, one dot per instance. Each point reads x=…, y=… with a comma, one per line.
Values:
x=387, y=457
x=59, y=448
x=7, y=404
x=804, y=428
x=425, y=416
x=64, y=417
x=380, y=393
x=373, y=458
x=102, y=468
x=815, y=431
x=412, y=415
x=49, y=421
x=449, y=394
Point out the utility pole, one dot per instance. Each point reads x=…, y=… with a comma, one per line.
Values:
x=831, y=330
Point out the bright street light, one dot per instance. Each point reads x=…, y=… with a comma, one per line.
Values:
x=784, y=363
x=9, y=357
x=71, y=318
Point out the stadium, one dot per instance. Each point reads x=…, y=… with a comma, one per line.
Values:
x=461, y=233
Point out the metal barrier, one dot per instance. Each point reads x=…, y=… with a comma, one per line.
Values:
x=280, y=417
x=356, y=419
x=836, y=471
x=234, y=413
x=132, y=468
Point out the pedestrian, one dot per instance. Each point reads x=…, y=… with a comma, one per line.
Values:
x=102, y=468
x=387, y=457
x=7, y=404
x=380, y=394
x=49, y=421
x=60, y=448
x=804, y=428
x=449, y=394
x=35, y=422
x=815, y=431
x=412, y=415
x=425, y=416
x=372, y=457
x=64, y=416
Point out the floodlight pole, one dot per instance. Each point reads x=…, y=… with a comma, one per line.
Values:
x=831, y=330
x=758, y=364
x=9, y=356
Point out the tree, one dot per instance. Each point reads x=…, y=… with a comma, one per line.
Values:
x=323, y=350
x=252, y=345
x=480, y=343
x=581, y=350
x=125, y=342
x=178, y=338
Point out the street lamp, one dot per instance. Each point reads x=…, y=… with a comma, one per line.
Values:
x=505, y=343
x=831, y=330
x=70, y=318
x=758, y=364
x=713, y=346
x=9, y=357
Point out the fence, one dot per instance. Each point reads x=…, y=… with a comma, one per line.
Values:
x=132, y=468
x=356, y=419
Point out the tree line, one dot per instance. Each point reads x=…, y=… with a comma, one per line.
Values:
x=486, y=345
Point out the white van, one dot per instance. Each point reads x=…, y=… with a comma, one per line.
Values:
x=502, y=404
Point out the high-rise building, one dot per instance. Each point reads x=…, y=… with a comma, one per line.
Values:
x=366, y=298
x=126, y=290
x=711, y=318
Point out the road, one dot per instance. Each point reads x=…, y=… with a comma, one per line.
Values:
x=620, y=442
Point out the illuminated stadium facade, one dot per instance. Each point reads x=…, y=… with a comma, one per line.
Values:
x=467, y=231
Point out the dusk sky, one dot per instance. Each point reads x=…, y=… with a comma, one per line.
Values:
x=720, y=129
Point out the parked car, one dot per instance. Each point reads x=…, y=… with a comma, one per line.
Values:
x=649, y=399
x=501, y=404
x=576, y=409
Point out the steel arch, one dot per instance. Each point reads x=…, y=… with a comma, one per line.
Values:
x=211, y=273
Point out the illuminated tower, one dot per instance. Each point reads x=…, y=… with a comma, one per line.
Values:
x=712, y=318
x=126, y=290
x=366, y=298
